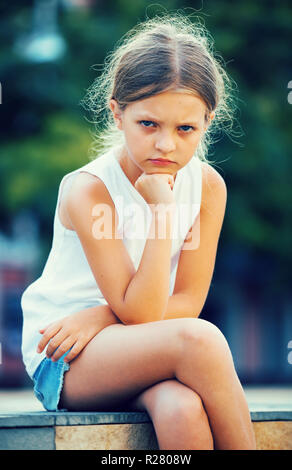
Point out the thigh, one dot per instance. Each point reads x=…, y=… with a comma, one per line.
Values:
x=120, y=362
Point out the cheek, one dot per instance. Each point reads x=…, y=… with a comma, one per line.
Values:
x=137, y=140
x=189, y=146
x=138, y=145
x=192, y=141
x=197, y=137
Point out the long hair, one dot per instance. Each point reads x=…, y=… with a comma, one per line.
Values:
x=160, y=54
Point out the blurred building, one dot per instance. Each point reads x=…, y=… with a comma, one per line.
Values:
x=19, y=257
x=255, y=319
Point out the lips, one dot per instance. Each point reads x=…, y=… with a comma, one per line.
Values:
x=161, y=160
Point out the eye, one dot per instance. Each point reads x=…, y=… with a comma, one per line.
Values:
x=187, y=129
x=147, y=123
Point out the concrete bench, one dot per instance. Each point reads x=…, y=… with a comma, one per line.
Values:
x=122, y=430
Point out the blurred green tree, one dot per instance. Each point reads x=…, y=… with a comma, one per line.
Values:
x=45, y=134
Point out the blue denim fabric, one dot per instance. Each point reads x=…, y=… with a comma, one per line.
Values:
x=48, y=382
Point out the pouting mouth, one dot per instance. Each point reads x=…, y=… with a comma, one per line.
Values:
x=161, y=160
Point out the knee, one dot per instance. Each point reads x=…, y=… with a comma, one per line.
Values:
x=189, y=410
x=181, y=411
x=205, y=338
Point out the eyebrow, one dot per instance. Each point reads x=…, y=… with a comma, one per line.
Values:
x=147, y=117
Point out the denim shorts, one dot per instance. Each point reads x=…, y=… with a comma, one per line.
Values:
x=48, y=382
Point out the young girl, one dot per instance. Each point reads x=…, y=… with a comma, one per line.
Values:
x=113, y=320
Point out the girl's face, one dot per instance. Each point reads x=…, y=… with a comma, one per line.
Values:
x=166, y=126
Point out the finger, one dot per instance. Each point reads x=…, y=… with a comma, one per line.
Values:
x=48, y=334
x=77, y=348
x=49, y=325
x=166, y=176
x=139, y=179
x=63, y=348
x=42, y=330
x=55, y=342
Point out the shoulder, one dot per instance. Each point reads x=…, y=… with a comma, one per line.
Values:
x=85, y=194
x=88, y=186
x=214, y=190
x=212, y=180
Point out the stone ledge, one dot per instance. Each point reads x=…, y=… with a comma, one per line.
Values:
x=66, y=418
x=120, y=430
x=138, y=436
x=273, y=435
x=69, y=418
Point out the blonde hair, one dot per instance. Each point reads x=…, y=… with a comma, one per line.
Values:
x=159, y=54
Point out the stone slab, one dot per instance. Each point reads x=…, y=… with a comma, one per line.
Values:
x=31, y=419
x=139, y=436
x=282, y=415
x=84, y=419
x=39, y=438
x=64, y=418
x=273, y=435
x=270, y=435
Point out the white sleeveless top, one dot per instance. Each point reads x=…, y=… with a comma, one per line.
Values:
x=67, y=284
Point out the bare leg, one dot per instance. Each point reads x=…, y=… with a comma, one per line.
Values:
x=122, y=361
x=178, y=416
x=208, y=369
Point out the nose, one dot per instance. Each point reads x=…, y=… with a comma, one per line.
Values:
x=165, y=143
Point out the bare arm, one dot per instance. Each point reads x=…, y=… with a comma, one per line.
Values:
x=179, y=305
x=195, y=268
x=135, y=297
x=148, y=292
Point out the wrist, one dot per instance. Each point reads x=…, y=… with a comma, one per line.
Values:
x=162, y=221
x=99, y=314
x=163, y=208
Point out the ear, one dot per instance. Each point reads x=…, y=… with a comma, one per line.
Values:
x=209, y=120
x=117, y=113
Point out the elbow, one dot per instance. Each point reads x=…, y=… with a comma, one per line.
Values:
x=197, y=309
x=132, y=311
x=142, y=315
x=193, y=306
x=135, y=310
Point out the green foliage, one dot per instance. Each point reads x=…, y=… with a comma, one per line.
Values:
x=45, y=135
x=32, y=168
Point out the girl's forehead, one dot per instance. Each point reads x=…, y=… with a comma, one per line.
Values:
x=180, y=102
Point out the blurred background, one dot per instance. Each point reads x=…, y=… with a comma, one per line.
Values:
x=47, y=50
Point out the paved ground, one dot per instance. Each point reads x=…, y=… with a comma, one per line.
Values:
x=259, y=398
